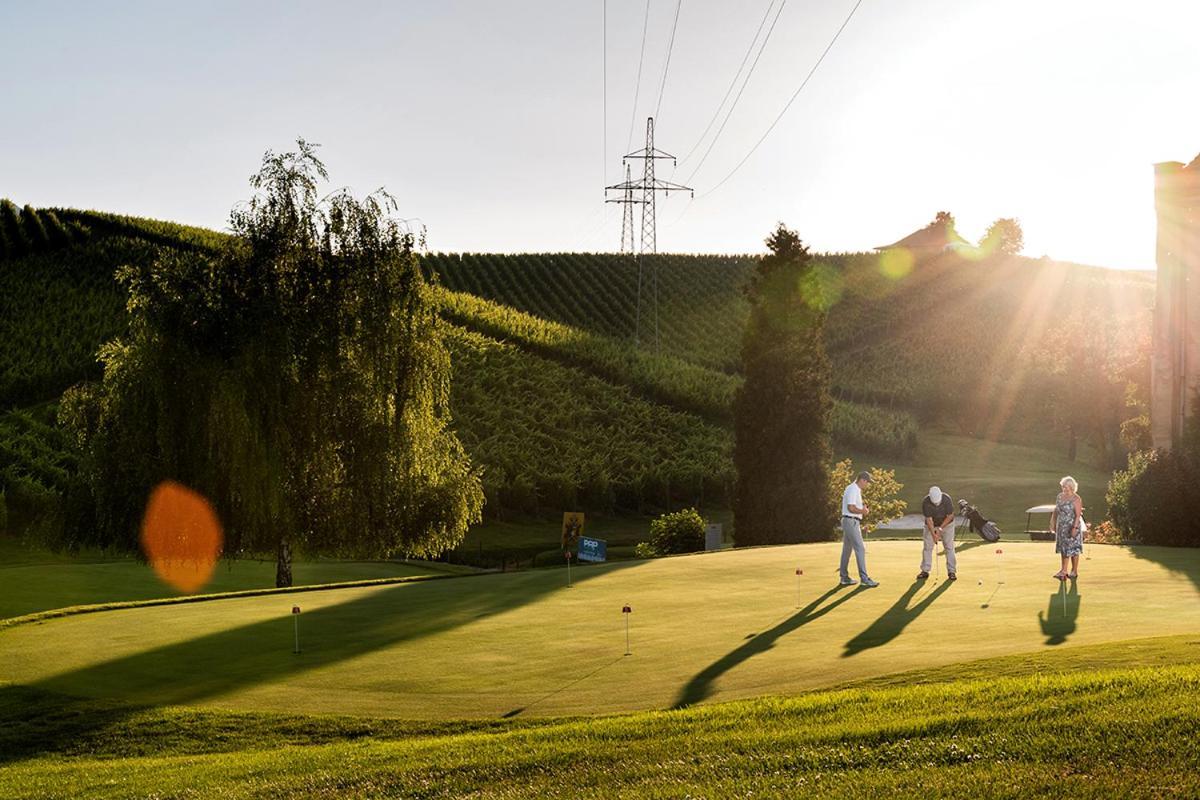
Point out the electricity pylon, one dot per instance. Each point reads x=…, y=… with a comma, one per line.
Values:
x=628, y=200
x=649, y=186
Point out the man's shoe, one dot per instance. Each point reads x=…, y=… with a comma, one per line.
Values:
x=922, y=575
x=849, y=582
x=868, y=583
x=951, y=576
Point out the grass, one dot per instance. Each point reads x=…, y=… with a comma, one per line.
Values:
x=708, y=627
x=33, y=580
x=1094, y=733
x=1001, y=479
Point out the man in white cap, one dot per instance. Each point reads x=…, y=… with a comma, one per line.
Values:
x=853, y=509
x=938, y=509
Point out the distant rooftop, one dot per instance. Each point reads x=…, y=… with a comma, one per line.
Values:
x=934, y=236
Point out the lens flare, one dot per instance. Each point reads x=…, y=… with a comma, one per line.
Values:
x=181, y=536
x=896, y=263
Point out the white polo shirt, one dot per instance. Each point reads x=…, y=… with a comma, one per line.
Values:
x=852, y=497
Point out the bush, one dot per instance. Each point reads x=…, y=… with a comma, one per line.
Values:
x=677, y=532
x=880, y=495
x=1153, y=500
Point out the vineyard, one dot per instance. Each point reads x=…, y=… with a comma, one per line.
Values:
x=36, y=466
x=551, y=395
x=549, y=436
x=701, y=305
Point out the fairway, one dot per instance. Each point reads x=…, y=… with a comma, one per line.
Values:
x=705, y=627
x=32, y=583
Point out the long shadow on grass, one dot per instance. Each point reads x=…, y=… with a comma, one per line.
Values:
x=893, y=621
x=1058, y=621
x=700, y=686
x=261, y=652
x=1176, y=559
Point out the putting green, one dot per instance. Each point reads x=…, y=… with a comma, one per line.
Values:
x=705, y=627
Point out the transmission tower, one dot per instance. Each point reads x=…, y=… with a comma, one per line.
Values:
x=629, y=201
x=649, y=186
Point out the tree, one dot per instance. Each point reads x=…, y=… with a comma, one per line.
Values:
x=881, y=494
x=298, y=379
x=1004, y=237
x=781, y=412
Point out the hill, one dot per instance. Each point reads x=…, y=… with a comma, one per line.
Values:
x=552, y=397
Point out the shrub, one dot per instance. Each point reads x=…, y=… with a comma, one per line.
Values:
x=1153, y=500
x=677, y=532
x=880, y=495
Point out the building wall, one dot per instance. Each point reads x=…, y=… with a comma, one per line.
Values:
x=1175, y=361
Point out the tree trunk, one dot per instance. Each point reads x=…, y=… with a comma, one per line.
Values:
x=283, y=565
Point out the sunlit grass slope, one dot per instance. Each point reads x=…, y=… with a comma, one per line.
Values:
x=1045, y=728
x=705, y=627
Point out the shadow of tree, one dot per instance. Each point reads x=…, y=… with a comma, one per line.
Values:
x=261, y=652
x=700, y=686
x=1059, y=620
x=894, y=620
x=1177, y=559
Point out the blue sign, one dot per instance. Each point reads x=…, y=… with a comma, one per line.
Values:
x=592, y=549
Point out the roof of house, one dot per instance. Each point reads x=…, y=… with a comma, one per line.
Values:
x=934, y=236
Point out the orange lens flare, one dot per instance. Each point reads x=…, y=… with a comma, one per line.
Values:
x=181, y=536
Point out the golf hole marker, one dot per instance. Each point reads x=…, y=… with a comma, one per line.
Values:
x=625, y=612
x=799, y=579
x=1000, y=565
x=296, y=626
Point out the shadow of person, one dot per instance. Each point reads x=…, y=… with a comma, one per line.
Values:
x=700, y=686
x=894, y=620
x=1058, y=621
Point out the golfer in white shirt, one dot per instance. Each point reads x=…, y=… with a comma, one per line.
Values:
x=853, y=509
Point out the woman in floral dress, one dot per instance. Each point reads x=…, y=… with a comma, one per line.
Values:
x=1067, y=522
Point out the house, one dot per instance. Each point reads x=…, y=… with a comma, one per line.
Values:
x=936, y=237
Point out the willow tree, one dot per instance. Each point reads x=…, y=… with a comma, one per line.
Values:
x=781, y=411
x=298, y=379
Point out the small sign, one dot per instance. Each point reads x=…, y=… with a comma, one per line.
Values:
x=626, y=610
x=592, y=549
x=295, y=609
x=572, y=529
x=713, y=536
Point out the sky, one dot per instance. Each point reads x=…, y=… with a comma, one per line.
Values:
x=496, y=125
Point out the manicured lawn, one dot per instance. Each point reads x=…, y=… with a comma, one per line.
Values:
x=706, y=627
x=33, y=580
x=1090, y=733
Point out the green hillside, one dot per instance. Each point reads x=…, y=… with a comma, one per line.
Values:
x=551, y=396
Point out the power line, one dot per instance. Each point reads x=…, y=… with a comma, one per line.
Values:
x=638, y=87
x=732, y=83
x=788, y=105
x=670, y=46
x=738, y=97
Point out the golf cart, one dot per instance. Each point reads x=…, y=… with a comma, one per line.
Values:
x=1038, y=535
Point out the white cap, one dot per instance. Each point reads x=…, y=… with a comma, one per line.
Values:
x=935, y=494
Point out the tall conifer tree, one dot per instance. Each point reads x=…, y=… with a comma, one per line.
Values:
x=781, y=413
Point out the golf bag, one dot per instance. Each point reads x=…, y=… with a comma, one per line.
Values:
x=987, y=530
